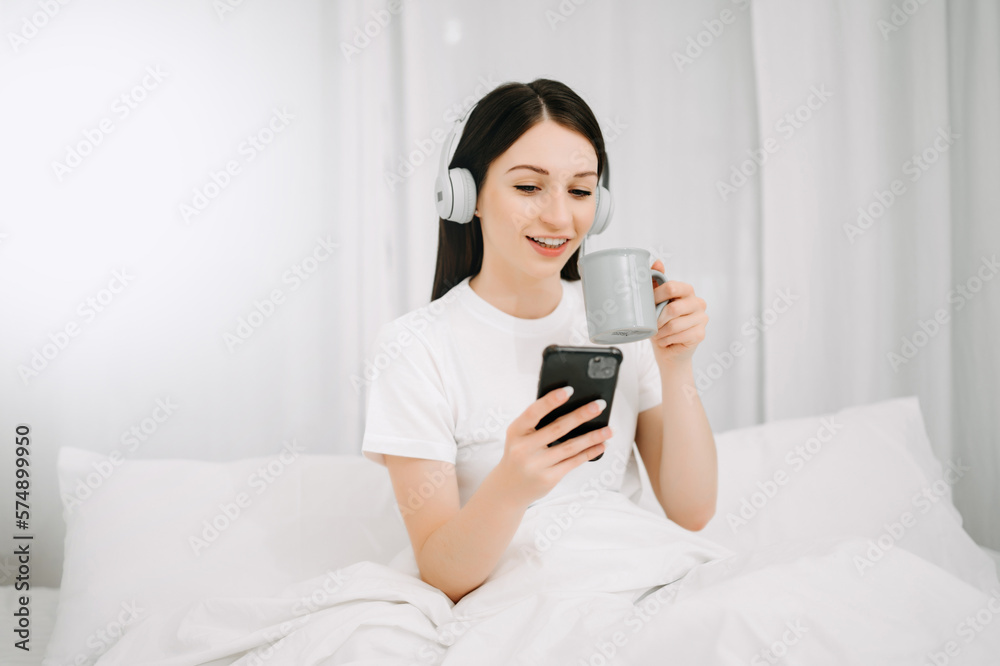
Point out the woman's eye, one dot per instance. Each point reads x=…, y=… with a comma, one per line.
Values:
x=532, y=188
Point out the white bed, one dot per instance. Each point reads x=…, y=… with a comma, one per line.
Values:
x=314, y=566
x=43, y=610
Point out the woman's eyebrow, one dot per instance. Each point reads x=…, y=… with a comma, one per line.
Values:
x=545, y=173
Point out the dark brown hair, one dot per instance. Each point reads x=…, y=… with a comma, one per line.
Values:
x=497, y=121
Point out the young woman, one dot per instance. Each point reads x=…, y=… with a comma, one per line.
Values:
x=452, y=412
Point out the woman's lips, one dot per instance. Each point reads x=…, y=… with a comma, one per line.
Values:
x=545, y=251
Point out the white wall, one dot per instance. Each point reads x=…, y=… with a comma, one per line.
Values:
x=187, y=283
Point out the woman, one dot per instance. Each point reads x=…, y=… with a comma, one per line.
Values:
x=452, y=415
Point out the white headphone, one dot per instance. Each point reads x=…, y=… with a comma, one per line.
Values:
x=455, y=189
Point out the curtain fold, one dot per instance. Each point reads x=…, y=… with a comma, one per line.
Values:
x=797, y=163
x=974, y=99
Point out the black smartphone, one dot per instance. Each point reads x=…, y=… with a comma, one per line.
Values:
x=593, y=374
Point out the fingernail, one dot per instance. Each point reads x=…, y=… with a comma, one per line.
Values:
x=568, y=390
x=601, y=404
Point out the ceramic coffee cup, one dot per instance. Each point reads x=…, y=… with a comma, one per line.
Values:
x=618, y=295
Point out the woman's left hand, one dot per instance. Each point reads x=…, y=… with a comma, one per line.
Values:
x=681, y=325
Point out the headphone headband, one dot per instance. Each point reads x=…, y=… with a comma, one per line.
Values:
x=451, y=145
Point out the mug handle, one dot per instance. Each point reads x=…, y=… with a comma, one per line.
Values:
x=661, y=279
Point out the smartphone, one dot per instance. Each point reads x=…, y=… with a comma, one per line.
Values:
x=593, y=374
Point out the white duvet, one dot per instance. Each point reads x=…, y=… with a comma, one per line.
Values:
x=564, y=593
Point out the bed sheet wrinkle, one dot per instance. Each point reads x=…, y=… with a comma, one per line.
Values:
x=614, y=570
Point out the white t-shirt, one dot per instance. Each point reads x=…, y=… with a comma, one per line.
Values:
x=448, y=378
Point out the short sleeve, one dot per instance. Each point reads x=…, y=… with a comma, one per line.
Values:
x=650, y=388
x=408, y=413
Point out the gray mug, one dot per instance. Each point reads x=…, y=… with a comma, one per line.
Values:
x=618, y=295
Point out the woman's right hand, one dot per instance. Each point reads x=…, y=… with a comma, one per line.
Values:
x=531, y=466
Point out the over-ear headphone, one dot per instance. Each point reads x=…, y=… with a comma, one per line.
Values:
x=455, y=189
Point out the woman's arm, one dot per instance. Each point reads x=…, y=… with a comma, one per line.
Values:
x=456, y=549
x=677, y=436
x=677, y=447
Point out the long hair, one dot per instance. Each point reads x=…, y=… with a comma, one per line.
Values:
x=499, y=119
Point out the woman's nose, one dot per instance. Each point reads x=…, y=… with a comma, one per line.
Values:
x=554, y=209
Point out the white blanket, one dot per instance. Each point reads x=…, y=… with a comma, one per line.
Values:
x=563, y=593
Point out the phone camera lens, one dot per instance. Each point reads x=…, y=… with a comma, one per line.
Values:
x=601, y=367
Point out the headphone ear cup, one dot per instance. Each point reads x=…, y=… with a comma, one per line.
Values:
x=444, y=196
x=602, y=216
x=464, y=188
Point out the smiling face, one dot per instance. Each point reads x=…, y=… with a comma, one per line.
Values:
x=544, y=186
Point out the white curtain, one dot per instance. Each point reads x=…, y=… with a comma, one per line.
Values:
x=882, y=213
x=255, y=316
x=743, y=140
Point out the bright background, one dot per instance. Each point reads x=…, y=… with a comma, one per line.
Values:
x=892, y=75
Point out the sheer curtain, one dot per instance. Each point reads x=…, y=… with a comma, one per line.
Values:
x=243, y=285
x=822, y=173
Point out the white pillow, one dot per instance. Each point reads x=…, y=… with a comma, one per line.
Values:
x=867, y=469
x=130, y=551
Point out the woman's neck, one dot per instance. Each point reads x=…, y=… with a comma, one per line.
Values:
x=525, y=299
